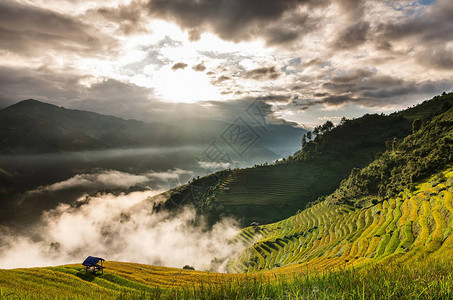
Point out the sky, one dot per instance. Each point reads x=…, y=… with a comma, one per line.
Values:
x=165, y=60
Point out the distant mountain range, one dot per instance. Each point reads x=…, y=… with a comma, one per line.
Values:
x=269, y=193
x=41, y=144
x=31, y=127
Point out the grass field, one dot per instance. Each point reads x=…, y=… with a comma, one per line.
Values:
x=412, y=225
x=419, y=280
x=399, y=248
x=271, y=193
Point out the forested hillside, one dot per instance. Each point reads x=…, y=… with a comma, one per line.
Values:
x=268, y=193
x=410, y=216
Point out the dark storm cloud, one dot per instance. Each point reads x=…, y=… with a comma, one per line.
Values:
x=280, y=35
x=354, y=76
x=434, y=25
x=113, y=97
x=27, y=30
x=289, y=28
x=200, y=67
x=232, y=20
x=337, y=99
x=220, y=79
x=368, y=89
x=274, y=98
x=20, y=84
x=129, y=18
x=354, y=9
x=436, y=56
x=352, y=36
x=264, y=73
x=428, y=34
x=107, y=96
x=304, y=104
x=406, y=88
x=317, y=95
x=178, y=66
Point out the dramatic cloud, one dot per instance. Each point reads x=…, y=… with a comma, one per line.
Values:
x=352, y=36
x=364, y=87
x=178, y=66
x=28, y=29
x=423, y=28
x=436, y=56
x=267, y=73
x=120, y=228
x=135, y=59
x=200, y=67
x=233, y=20
x=106, y=96
x=129, y=19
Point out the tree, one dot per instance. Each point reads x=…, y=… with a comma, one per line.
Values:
x=304, y=141
x=416, y=125
x=309, y=135
x=327, y=126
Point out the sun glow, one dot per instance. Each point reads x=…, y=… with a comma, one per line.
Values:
x=185, y=86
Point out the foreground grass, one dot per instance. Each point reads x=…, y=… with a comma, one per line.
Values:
x=422, y=280
x=432, y=279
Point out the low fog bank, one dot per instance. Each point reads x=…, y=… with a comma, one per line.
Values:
x=109, y=179
x=26, y=208
x=120, y=228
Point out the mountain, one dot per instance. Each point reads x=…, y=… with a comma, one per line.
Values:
x=360, y=242
x=268, y=193
x=31, y=127
x=279, y=137
x=41, y=144
x=398, y=209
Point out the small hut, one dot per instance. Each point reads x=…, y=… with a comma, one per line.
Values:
x=93, y=265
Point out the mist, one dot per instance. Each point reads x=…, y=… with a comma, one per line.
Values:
x=116, y=179
x=120, y=228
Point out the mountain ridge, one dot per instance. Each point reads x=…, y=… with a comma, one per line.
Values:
x=268, y=193
x=60, y=129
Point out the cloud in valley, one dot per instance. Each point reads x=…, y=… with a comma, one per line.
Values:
x=115, y=179
x=209, y=165
x=120, y=228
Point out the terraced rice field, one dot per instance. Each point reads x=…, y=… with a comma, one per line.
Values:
x=325, y=239
x=410, y=226
x=271, y=193
x=120, y=278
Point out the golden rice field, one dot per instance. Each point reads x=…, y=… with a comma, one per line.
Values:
x=399, y=248
x=415, y=224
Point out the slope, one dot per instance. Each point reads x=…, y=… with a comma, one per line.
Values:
x=410, y=228
x=410, y=221
x=41, y=144
x=31, y=126
x=126, y=280
x=268, y=193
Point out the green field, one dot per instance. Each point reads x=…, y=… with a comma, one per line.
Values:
x=419, y=280
x=268, y=193
x=409, y=226
x=326, y=251
x=358, y=243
